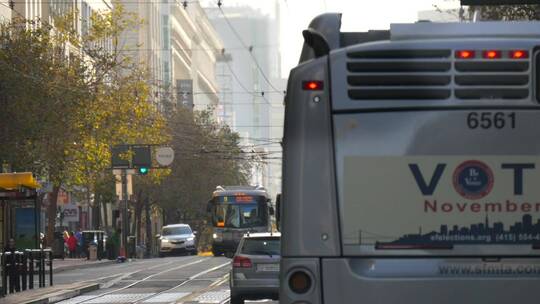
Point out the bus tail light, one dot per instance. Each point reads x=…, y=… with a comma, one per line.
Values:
x=465, y=54
x=492, y=54
x=242, y=262
x=300, y=282
x=519, y=54
x=312, y=85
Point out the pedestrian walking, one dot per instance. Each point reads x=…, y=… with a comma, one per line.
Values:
x=10, y=249
x=79, y=237
x=72, y=245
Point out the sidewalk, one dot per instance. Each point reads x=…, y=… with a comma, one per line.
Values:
x=51, y=294
x=60, y=265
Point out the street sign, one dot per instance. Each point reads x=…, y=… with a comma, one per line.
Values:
x=70, y=212
x=498, y=2
x=184, y=92
x=118, y=159
x=142, y=157
x=164, y=156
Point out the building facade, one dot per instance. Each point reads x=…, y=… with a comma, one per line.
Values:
x=195, y=47
x=251, y=99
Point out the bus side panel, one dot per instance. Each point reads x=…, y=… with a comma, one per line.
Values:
x=310, y=215
x=398, y=281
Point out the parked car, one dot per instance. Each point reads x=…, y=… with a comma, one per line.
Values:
x=255, y=271
x=177, y=238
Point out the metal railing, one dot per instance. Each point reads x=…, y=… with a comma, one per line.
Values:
x=19, y=268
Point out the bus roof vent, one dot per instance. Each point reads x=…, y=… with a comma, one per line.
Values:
x=399, y=74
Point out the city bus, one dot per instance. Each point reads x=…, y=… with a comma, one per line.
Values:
x=235, y=211
x=411, y=165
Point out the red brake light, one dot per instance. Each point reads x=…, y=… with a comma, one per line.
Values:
x=491, y=54
x=519, y=54
x=312, y=85
x=465, y=54
x=242, y=262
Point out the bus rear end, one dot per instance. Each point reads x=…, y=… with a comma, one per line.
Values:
x=411, y=165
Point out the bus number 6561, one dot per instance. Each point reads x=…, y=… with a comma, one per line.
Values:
x=489, y=120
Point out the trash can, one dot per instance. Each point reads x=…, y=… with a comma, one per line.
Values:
x=93, y=252
x=131, y=246
x=93, y=237
x=58, y=245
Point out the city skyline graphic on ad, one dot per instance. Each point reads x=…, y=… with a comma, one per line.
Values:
x=524, y=232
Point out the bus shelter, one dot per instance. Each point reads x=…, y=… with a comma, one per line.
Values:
x=19, y=210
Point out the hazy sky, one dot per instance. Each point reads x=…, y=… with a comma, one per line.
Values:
x=358, y=15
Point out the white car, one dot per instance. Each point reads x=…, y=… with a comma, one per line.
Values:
x=177, y=238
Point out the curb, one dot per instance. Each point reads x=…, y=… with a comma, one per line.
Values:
x=63, y=295
x=81, y=266
x=73, y=293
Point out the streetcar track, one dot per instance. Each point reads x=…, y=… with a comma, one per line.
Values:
x=145, y=279
x=210, y=287
x=120, y=276
x=190, y=279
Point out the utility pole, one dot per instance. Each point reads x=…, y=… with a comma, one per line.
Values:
x=137, y=158
x=124, y=213
x=149, y=236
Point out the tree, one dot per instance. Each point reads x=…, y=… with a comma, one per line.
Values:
x=69, y=98
x=508, y=12
x=42, y=89
x=207, y=154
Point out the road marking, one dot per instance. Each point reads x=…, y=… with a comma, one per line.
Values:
x=214, y=296
x=97, y=297
x=211, y=287
x=107, y=285
x=119, y=298
x=209, y=270
x=167, y=297
x=220, y=281
x=188, y=280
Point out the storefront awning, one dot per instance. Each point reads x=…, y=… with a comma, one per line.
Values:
x=16, y=181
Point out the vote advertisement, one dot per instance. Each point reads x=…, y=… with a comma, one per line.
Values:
x=441, y=200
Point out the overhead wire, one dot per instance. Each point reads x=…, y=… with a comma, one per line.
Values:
x=237, y=35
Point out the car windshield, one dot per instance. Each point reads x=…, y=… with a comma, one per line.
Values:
x=176, y=230
x=261, y=246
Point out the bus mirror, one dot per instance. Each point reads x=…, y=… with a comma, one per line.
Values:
x=209, y=206
x=158, y=236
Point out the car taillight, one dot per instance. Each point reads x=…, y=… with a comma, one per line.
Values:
x=242, y=262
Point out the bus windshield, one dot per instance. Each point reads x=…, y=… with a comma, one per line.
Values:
x=231, y=212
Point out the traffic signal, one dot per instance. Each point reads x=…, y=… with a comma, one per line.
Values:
x=143, y=170
x=142, y=159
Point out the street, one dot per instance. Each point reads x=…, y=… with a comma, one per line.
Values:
x=166, y=280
